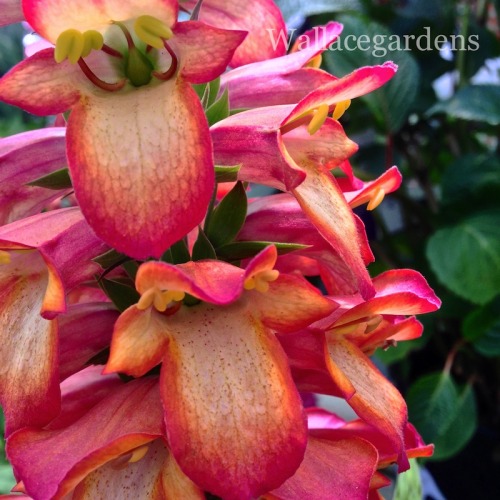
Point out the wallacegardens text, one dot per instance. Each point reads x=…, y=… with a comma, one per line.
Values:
x=379, y=45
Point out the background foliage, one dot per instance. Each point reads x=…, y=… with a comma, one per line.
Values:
x=444, y=221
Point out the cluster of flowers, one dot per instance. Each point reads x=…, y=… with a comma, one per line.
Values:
x=156, y=335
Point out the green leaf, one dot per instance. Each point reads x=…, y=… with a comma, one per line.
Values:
x=409, y=484
x=471, y=176
x=7, y=480
x=202, y=248
x=227, y=174
x=291, y=9
x=228, y=216
x=178, y=253
x=392, y=103
x=466, y=257
x=482, y=328
x=213, y=90
x=200, y=89
x=474, y=102
x=443, y=413
x=59, y=179
x=219, y=109
x=110, y=258
x=246, y=249
x=123, y=295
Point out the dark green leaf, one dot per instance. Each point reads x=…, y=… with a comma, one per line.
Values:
x=475, y=102
x=59, y=179
x=443, y=413
x=466, y=257
x=219, y=109
x=178, y=253
x=246, y=249
x=471, y=176
x=203, y=249
x=392, y=103
x=228, y=216
x=304, y=8
x=482, y=328
x=200, y=88
x=121, y=294
x=110, y=258
x=213, y=87
x=226, y=174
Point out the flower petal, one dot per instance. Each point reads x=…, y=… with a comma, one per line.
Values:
x=41, y=86
x=337, y=469
x=10, y=12
x=266, y=18
x=205, y=51
x=231, y=409
x=139, y=342
x=24, y=158
x=144, y=197
x=29, y=388
x=355, y=84
x=290, y=304
x=84, y=331
x=52, y=462
x=375, y=399
x=155, y=476
x=51, y=17
x=324, y=203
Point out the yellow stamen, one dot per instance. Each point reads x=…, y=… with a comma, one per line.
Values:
x=138, y=454
x=4, y=257
x=92, y=40
x=159, y=299
x=152, y=31
x=340, y=109
x=315, y=62
x=318, y=119
x=261, y=280
x=69, y=45
x=376, y=199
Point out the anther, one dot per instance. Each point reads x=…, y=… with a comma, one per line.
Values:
x=159, y=299
x=376, y=199
x=152, y=31
x=340, y=109
x=260, y=281
x=69, y=45
x=318, y=119
x=4, y=257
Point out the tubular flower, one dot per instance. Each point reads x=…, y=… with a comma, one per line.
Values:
x=231, y=408
x=136, y=128
x=293, y=148
x=332, y=356
x=41, y=258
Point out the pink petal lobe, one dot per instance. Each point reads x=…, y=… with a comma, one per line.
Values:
x=52, y=462
x=338, y=469
x=156, y=476
x=205, y=51
x=290, y=304
x=139, y=342
x=24, y=158
x=324, y=203
x=84, y=331
x=51, y=18
x=375, y=399
x=355, y=84
x=233, y=14
x=10, y=12
x=231, y=408
x=144, y=197
x=29, y=389
x=211, y=281
x=41, y=86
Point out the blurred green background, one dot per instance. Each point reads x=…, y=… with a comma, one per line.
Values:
x=438, y=121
